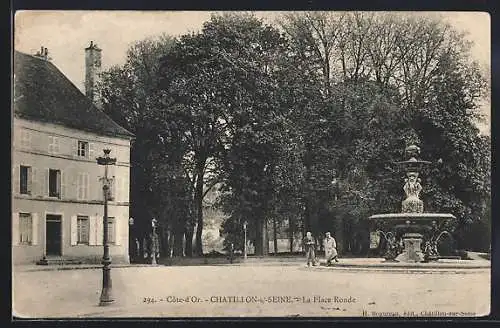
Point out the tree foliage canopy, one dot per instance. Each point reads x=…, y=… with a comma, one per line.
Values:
x=301, y=121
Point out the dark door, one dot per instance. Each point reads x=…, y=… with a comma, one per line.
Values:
x=53, y=235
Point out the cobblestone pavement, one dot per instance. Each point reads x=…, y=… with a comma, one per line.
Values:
x=251, y=291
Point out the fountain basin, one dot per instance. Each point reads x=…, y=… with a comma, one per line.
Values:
x=396, y=218
x=411, y=228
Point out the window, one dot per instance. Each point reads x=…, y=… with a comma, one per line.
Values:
x=111, y=230
x=25, y=138
x=53, y=145
x=25, y=228
x=25, y=180
x=83, y=186
x=54, y=183
x=83, y=149
x=83, y=227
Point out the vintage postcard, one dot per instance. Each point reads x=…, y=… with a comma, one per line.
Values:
x=235, y=164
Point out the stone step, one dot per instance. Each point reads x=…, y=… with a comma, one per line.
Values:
x=58, y=261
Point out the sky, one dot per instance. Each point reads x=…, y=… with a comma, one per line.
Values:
x=66, y=33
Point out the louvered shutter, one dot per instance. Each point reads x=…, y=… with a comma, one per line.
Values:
x=74, y=230
x=118, y=231
x=15, y=228
x=92, y=230
x=91, y=150
x=35, y=185
x=126, y=189
x=62, y=184
x=16, y=172
x=99, y=230
x=34, y=228
x=46, y=183
x=75, y=147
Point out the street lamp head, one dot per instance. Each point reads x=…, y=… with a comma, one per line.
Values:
x=131, y=221
x=106, y=160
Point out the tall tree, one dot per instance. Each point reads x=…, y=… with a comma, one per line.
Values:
x=130, y=95
x=213, y=82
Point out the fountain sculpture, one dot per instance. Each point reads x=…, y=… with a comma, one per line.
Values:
x=412, y=235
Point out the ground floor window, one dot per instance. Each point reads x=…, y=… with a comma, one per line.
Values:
x=83, y=227
x=111, y=230
x=25, y=228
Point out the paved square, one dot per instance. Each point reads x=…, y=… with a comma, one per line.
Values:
x=250, y=291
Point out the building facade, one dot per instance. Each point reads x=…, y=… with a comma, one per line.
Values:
x=57, y=197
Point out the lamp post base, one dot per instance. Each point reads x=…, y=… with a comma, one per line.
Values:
x=107, y=284
x=106, y=298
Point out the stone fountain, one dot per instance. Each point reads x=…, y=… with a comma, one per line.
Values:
x=412, y=235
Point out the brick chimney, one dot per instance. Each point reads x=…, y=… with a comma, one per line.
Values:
x=92, y=70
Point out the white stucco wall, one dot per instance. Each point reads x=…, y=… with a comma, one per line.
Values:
x=34, y=152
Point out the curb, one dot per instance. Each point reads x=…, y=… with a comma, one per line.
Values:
x=76, y=267
x=401, y=269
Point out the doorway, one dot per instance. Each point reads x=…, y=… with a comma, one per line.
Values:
x=53, y=235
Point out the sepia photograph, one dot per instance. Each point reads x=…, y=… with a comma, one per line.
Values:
x=232, y=164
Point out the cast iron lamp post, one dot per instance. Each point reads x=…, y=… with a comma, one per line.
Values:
x=154, y=242
x=245, y=224
x=106, y=295
x=131, y=243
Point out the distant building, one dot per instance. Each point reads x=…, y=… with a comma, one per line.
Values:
x=57, y=198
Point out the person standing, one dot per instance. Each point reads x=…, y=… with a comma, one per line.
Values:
x=309, y=247
x=330, y=249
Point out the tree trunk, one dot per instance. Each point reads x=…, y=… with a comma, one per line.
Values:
x=188, y=232
x=178, y=237
x=198, y=200
x=265, y=238
x=275, y=237
x=307, y=216
x=259, y=245
x=339, y=234
x=164, y=242
x=261, y=240
x=290, y=233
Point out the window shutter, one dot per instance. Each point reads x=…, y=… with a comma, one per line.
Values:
x=62, y=184
x=35, y=188
x=17, y=179
x=75, y=147
x=96, y=188
x=99, y=230
x=126, y=189
x=15, y=228
x=74, y=230
x=79, y=186
x=91, y=150
x=46, y=185
x=86, y=185
x=92, y=230
x=34, y=228
x=117, y=232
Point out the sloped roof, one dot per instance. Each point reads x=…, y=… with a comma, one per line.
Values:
x=43, y=93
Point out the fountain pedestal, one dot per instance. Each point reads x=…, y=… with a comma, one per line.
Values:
x=412, y=248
